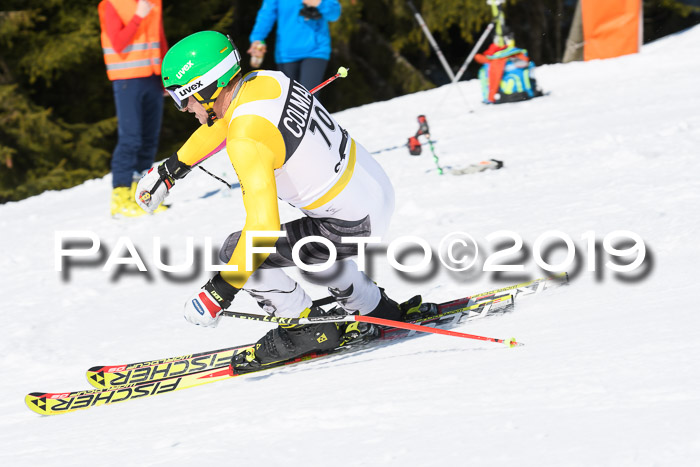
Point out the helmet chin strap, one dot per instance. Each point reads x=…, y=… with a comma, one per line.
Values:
x=211, y=116
x=208, y=105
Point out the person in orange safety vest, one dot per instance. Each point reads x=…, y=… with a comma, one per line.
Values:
x=133, y=44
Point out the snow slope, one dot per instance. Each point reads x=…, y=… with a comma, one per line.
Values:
x=609, y=374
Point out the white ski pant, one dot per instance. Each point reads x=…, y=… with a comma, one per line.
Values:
x=364, y=208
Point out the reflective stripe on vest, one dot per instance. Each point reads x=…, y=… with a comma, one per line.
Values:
x=134, y=64
x=132, y=47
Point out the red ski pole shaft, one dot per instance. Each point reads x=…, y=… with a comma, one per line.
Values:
x=366, y=319
x=342, y=73
x=414, y=327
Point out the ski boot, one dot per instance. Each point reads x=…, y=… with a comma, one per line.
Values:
x=287, y=342
x=387, y=308
x=413, y=308
x=123, y=204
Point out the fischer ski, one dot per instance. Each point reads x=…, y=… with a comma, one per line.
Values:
x=101, y=377
x=58, y=403
x=116, y=375
x=118, y=383
x=184, y=373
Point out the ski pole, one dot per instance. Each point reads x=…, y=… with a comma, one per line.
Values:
x=435, y=157
x=415, y=327
x=342, y=73
x=367, y=319
x=431, y=39
x=392, y=148
x=472, y=54
x=423, y=129
x=469, y=59
x=228, y=185
x=499, y=19
x=437, y=50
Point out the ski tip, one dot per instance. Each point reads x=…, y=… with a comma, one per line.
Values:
x=97, y=378
x=37, y=403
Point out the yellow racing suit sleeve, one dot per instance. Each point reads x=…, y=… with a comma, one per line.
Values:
x=256, y=148
x=205, y=140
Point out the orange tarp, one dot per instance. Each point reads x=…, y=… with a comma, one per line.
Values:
x=610, y=27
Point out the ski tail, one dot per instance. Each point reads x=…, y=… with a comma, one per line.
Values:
x=59, y=403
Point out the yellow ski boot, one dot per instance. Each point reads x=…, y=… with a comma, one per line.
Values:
x=123, y=204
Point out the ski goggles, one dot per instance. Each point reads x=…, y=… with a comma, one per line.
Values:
x=181, y=93
x=181, y=104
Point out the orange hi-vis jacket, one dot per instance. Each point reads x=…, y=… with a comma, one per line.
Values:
x=140, y=58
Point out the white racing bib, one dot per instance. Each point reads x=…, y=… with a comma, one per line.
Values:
x=316, y=147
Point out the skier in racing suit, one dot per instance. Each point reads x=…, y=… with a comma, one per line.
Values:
x=282, y=144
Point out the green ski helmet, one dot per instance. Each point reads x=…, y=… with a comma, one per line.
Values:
x=200, y=65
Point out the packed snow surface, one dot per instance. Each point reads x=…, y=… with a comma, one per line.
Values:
x=610, y=371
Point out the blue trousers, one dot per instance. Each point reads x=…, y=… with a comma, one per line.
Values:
x=308, y=72
x=139, y=103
